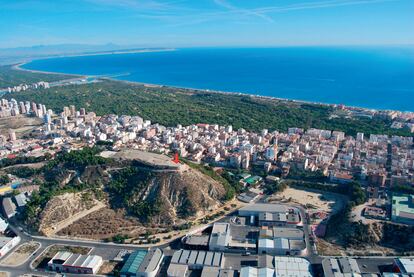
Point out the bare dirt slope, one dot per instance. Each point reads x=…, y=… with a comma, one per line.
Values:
x=183, y=195
x=63, y=210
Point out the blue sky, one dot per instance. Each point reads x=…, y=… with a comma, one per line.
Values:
x=178, y=23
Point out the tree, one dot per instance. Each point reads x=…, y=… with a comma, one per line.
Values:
x=4, y=179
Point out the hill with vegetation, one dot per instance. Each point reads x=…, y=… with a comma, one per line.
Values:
x=82, y=179
x=172, y=106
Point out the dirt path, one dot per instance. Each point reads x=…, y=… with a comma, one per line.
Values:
x=65, y=223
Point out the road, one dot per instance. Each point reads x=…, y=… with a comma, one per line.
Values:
x=106, y=250
x=311, y=255
x=109, y=250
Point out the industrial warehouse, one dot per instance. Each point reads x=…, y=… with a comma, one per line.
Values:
x=272, y=215
x=142, y=263
x=216, y=264
x=75, y=263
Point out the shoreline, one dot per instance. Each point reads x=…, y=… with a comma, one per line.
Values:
x=332, y=105
x=18, y=66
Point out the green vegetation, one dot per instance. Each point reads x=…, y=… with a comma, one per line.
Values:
x=10, y=77
x=271, y=188
x=300, y=174
x=22, y=160
x=125, y=184
x=230, y=187
x=119, y=238
x=23, y=171
x=51, y=187
x=405, y=189
x=400, y=235
x=172, y=106
x=358, y=234
x=4, y=179
x=233, y=180
x=79, y=159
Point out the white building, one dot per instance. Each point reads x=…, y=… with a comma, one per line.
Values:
x=220, y=237
x=6, y=244
x=75, y=263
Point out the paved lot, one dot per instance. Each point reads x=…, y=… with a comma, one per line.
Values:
x=233, y=261
x=369, y=265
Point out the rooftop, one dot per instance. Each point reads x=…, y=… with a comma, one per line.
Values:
x=340, y=267
x=151, y=260
x=271, y=208
x=133, y=262
x=403, y=204
x=406, y=264
x=4, y=241
x=197, y=240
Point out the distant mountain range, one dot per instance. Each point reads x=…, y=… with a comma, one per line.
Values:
x=24, y=54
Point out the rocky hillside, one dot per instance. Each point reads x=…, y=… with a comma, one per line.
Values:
x=380, y=236
x=76, y=183
x=165, y=198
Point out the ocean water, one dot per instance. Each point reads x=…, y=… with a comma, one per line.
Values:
x=380, y=78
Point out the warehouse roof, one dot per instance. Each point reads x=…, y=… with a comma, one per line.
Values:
x=406, y=264
x=133, y=262
x=203, y=258
x=9, y=207
x=151, y=260
x=403, y=205
x=289, y=233
x=220, y=235
x=259, y=207
x=91, y=261
x=75, y=260
x=292, y=266
x=177, y=270
x=267, y=216
x=4, y=241
x=340, y=267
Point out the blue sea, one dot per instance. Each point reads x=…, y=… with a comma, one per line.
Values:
x=379, y=78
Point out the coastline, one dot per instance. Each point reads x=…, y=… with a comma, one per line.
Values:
x=257, y=96
x=263, y=97
x=18, y=66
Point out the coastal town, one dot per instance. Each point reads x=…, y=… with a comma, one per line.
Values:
x=213, y=138
x=374, y=159
x=260, y=239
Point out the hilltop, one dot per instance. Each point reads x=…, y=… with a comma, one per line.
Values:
x=82, y=184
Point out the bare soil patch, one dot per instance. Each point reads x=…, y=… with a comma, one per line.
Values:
x=108, y=267
x=21, y=254
x=321, y=201
x=103, y=224
x=21, y=124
